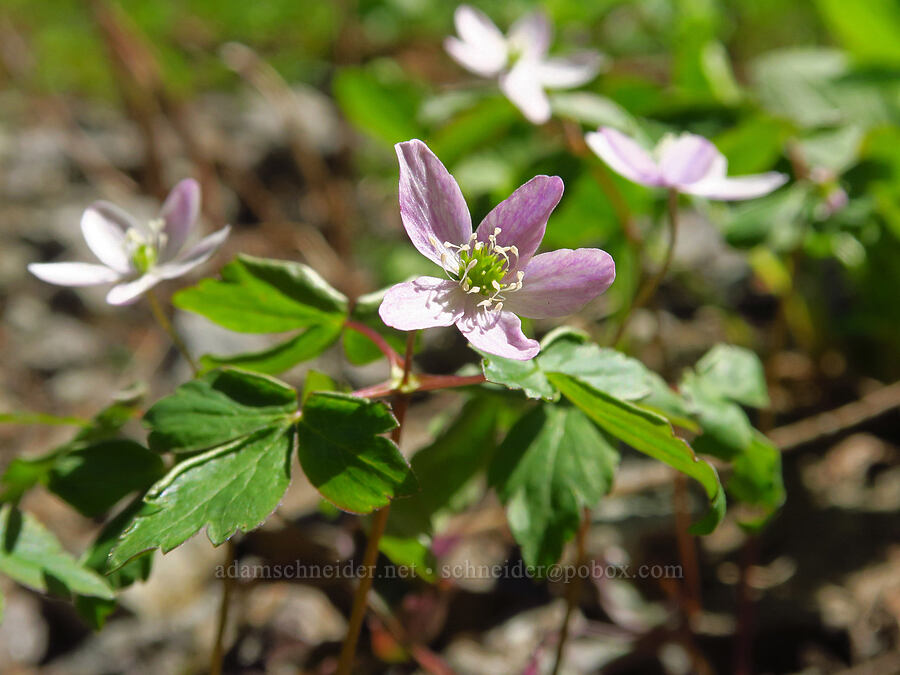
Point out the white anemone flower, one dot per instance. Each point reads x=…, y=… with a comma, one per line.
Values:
x=136, y=256
x=519, y=59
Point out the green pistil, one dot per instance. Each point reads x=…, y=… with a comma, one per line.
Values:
x=144, y=257
x=489, y=268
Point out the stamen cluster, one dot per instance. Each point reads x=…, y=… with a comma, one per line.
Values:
x=484, y=268
x=144, y=245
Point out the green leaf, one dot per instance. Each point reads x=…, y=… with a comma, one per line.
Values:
x=96, y=610
x=94, y=478
x=444, y=467
x=283, y=356
x=411, y=552
x=217, y=408
x=816, y=87
x=30, y=554
x=473, y=129
x=757, y=480
x=734, y=373
x=648, y=433
x=383, y=109
x=258, y=295
x=568, y=352
x=229, y=488
x=602, y=368
x=513, y=374
x=726, y=429
x=868, y=28
x=344, y=456
x=316, y=381
x=552, y=464
x=776, y=220
x=668, y=403
x=24, y=473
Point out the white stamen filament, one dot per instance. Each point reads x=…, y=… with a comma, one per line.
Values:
x=450, y=261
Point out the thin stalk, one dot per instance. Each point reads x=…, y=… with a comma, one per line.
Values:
x=392, y=356
x=166, y=325
x=218, y=652
x=649, y=289
x=687, y=549
x=379, y=522
x=422, y=383
x=573, y=589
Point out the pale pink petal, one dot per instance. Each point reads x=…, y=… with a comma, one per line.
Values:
x=117, y=215
x=522, y=86
x=497, y=333
x=531, y=35
x=422, y=303
x=196, y=255
x=431, y=204
x=739, y=187
x=572, y=71
x=105, y=237
x=522, y=217
x=484, y=57
x=73, y=273
x=180, y=211
x=686, y=159
x=474, y=27
x=561, y=282
x=125, y=294
x=624, y=156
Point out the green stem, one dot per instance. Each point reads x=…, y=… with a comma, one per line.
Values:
x=649, y=289
x=218, y=652
x=379, y=522
x=166, y=325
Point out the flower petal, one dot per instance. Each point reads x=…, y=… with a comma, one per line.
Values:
x=482, y=59
x=624, y=156
x=125, y=294
x=431, y=204
x=572, y=71
x=180, y=212
x=196, y=255
x=687, y=159
x=522, y=87
x=561, y=282
x=475, y=28
x=498, y=333
x=422, y=303
x=104, y=232
x=522, y=217
x=739, y=187
x=73, y=273
x=531, y=35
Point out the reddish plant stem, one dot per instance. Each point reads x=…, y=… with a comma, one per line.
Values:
x=392, y=356
x=423, y=383
x=573, y=589
x=743, y=648
x=687, y=550
x=379, y=522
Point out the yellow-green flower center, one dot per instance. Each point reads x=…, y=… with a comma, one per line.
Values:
x=144, y=245
x=484, y=268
